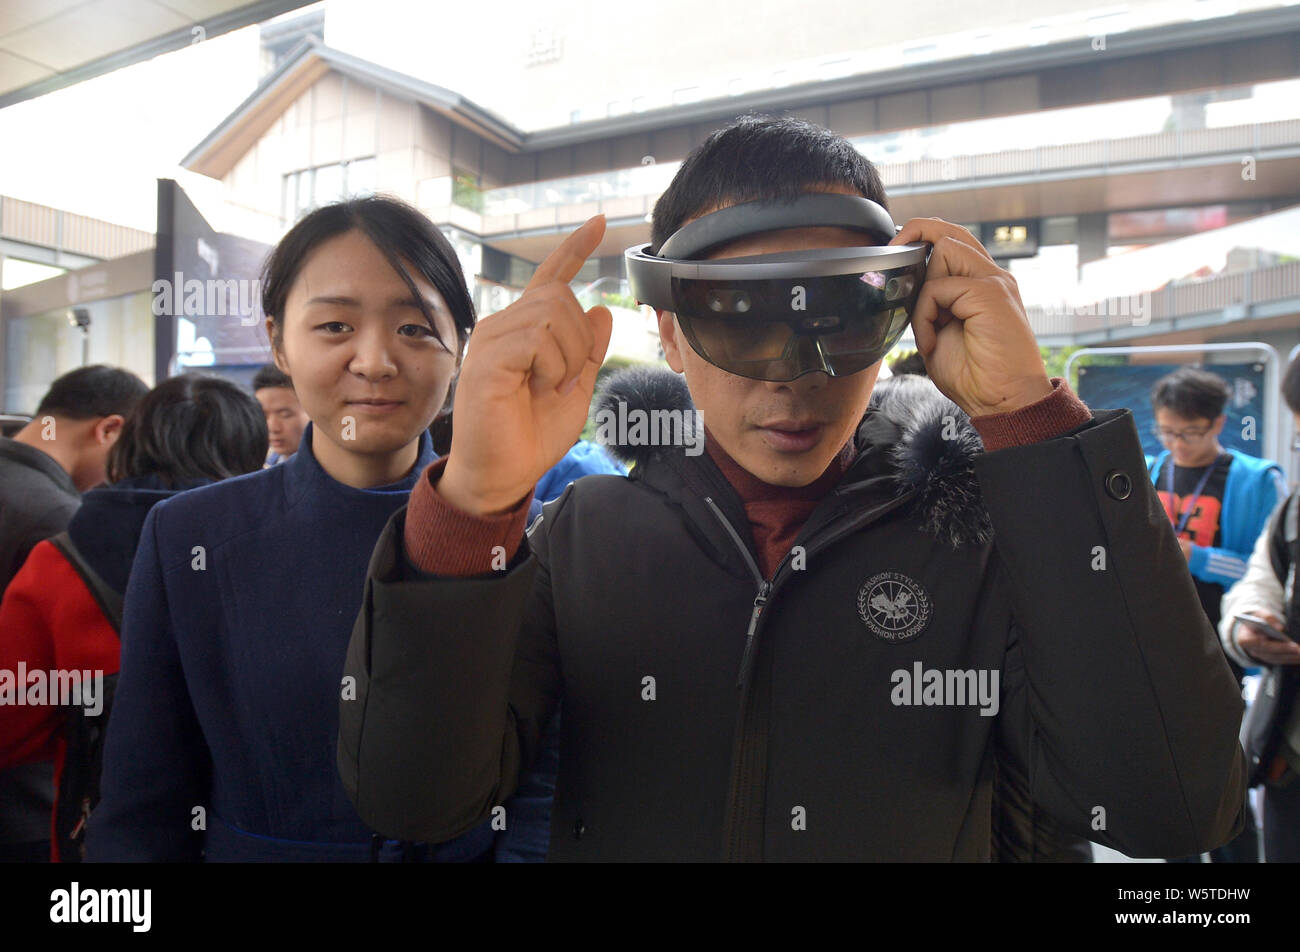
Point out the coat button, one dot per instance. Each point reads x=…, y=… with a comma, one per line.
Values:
x=1118, y=485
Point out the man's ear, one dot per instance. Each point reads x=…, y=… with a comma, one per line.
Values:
x=670, y=337
x=107, y=429
x=1218, y=424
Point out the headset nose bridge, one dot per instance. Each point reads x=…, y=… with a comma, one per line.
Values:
x=808, y=354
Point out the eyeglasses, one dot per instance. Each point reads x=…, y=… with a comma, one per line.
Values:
x=1166, y=435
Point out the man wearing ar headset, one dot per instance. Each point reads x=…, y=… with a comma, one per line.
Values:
x=822, y=637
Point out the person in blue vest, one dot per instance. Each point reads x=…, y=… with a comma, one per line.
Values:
x=241, y=600
x=1219, y=500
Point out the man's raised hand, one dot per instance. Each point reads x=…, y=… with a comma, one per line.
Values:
x=970, y=325
x=526, y=384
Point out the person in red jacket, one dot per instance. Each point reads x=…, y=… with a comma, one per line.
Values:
x=56, y=616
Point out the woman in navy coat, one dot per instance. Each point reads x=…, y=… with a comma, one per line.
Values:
x=222, y=743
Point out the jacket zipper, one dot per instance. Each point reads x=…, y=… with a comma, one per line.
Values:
x=740, y=792
x=739, y=805
x=765, y=586
x=760, y=600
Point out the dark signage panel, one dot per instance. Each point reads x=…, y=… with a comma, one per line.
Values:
x=1011, y=239
x=211, y=280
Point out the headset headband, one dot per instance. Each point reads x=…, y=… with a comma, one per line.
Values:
x=651, y=276
x=810, y=210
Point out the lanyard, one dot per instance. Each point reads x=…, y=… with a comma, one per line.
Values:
x=1196, y=494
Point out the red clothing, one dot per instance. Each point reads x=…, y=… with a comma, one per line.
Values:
x=776, y=513
x=50, y=621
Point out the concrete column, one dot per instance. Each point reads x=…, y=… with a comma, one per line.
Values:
x=1092, y=237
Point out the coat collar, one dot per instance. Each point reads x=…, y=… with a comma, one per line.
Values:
x=304, y=476
x=924, y=445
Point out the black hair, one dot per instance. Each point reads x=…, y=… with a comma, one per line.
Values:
x=400, y=232
x=909, y=363
x=901, y=391
x=1191, y=393
x=88, y=393
x=1291, y=385
x=271, y=376
x=189, y=427
x=758, y=158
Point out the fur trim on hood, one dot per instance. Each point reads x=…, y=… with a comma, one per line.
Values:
x=934, y=452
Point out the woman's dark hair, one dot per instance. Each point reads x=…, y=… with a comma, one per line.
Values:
x=757, y=158
x=1291, y=386
x=398, y=230
x=191, y=427
x=1191, y=393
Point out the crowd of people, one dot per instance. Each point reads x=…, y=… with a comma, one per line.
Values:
x=349, y=617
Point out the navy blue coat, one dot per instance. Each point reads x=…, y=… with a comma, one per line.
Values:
x=222, y=740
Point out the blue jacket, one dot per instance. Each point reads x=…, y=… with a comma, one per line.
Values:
x=223, y=736
x=583, y=459
x=106, y=528
x=1253, y=490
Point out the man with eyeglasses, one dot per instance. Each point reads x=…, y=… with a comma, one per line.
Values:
x=1218, y=500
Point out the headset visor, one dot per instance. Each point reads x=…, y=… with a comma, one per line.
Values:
x=781, y=328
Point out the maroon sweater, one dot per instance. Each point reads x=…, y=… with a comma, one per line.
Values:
x=776, y=513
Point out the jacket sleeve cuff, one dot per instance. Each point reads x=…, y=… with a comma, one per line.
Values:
x=1054, y=415
x=440, y=539
x=1197, y=560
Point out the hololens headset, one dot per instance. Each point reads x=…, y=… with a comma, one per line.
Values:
x=780, y=316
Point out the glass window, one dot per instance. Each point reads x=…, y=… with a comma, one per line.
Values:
x=361, y=176
x=41, y=347
x=434, y=192
x=521, y=272
x=465, y=190
x=14, y=272
x=328, y=185
x=303, y=190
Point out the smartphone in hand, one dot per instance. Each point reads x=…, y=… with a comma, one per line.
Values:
x=1264, y=627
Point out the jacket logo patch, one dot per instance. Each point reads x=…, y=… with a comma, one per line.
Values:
x=895, y=607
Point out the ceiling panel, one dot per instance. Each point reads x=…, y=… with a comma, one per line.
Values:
x=89, y=31
x=19, y=14
x=48, y=44
x=20, y=70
